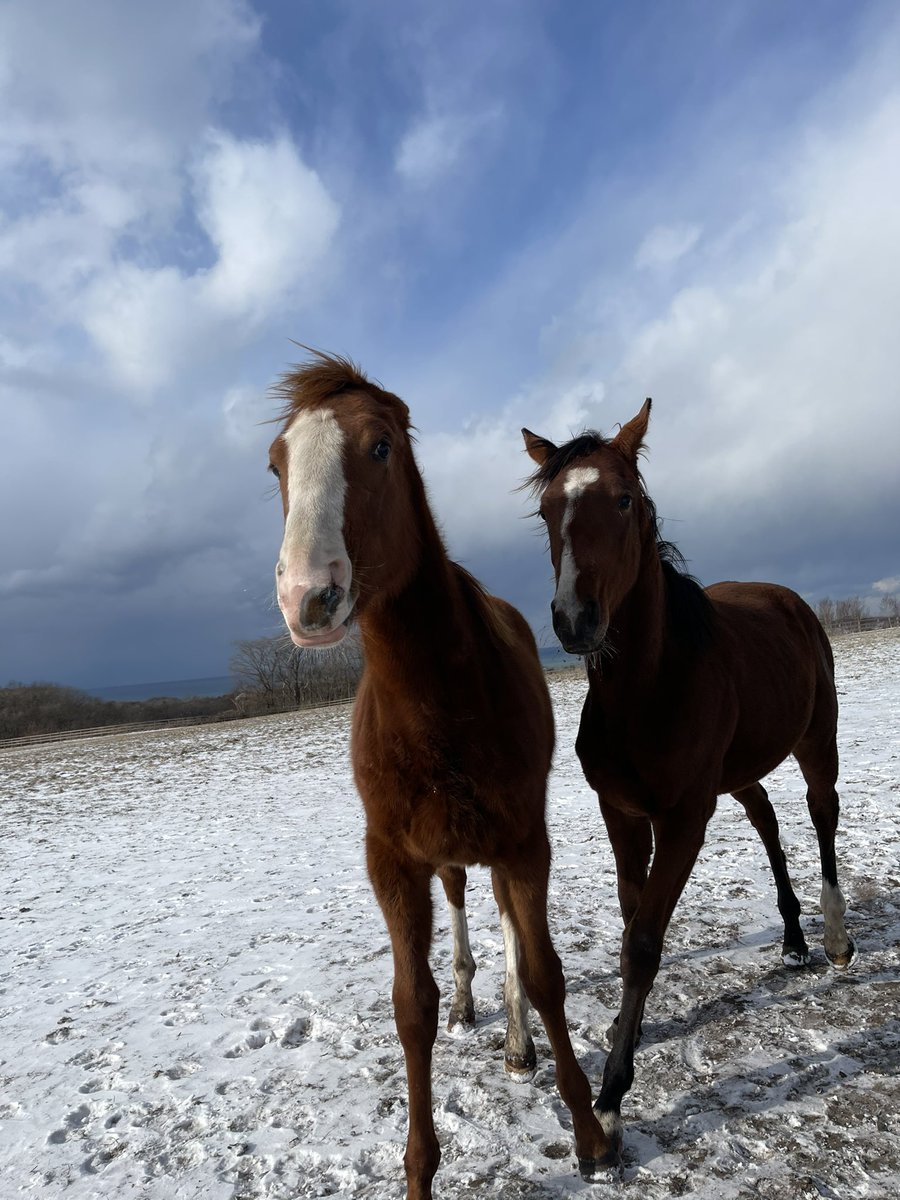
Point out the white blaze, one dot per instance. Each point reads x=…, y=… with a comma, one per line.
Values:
x=576, y=481
x=313, y=554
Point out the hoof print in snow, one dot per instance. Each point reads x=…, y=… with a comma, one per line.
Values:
x=179, y=1070
x=556, y=1150
x=253, y=1041
x=296, y=1033
x=74, y=1122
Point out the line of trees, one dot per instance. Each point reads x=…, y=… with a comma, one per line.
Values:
x=27, y=709
x=272, y=674
x=851, y=613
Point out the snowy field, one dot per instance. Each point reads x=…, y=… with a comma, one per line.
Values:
x=195, y=983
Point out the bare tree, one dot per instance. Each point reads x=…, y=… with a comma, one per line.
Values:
x=255, y=668
x=849, y=612
x=271, y=673
x=890, y=606
x=825, y=612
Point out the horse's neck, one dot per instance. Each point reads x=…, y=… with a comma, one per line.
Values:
x=637, y=637
x=416, y=642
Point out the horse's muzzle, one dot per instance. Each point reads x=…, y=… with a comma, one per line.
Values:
x=584, y=633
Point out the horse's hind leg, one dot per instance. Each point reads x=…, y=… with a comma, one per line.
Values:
x=819, y=765
x=522, y=892
x=794, y=951
x=519, y=1055
x=462, y=1008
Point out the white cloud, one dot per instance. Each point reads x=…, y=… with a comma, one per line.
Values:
x=270, y=221
x=774, y=433
x=780, y=365
x=111, y=172
x=242, y=410
x=115, y=90
x=665, y=244
x=887, y=587
x=436, y=144
x=146, y=322
x=268, y=216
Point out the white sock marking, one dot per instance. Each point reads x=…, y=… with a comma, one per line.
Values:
x=513, y=992
x=463, y=962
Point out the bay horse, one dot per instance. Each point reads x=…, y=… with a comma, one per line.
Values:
x=452, y=727
x=692, y=693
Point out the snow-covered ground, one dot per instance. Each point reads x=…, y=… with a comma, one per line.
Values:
x=195, y=982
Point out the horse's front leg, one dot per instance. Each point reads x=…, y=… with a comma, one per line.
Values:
x=631, y=839
x=519, y=1057
x=462, y=1009
x=403, y=889
x=678, y=837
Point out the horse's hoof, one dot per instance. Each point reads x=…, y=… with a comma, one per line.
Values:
x=593, y=1170
x=461, y=1021
x=795, y=958
x=846, y=959
x=521, y=1067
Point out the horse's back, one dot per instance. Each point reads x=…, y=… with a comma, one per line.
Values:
x=768, y=616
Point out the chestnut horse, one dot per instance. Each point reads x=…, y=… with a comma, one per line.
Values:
x=691, y=694
x=452, y=726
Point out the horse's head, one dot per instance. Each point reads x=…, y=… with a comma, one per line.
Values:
x=598, y=521
x=340, y=459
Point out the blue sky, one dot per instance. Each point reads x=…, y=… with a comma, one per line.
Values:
x=518, y=213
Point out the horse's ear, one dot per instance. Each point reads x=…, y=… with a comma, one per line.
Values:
x=630, y=437
x=538, y=448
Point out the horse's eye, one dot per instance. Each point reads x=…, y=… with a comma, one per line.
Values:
x=274, y=470
x=624, y=503
x=541, y=514
x=381, y=450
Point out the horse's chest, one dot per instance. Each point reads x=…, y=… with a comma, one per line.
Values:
x=427, y=796
x=613, y=768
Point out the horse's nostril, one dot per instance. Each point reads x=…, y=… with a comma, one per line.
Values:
x=319, y=605
x=331, y=598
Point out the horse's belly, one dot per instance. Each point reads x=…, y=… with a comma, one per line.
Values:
x=759, y=746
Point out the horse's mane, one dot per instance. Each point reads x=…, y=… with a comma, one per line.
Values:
x=486, y=605
x=324, y=376
x=587, y=442
x=690, y=611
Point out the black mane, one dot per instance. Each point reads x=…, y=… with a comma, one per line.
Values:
x=587, y=442
x=689, y=609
